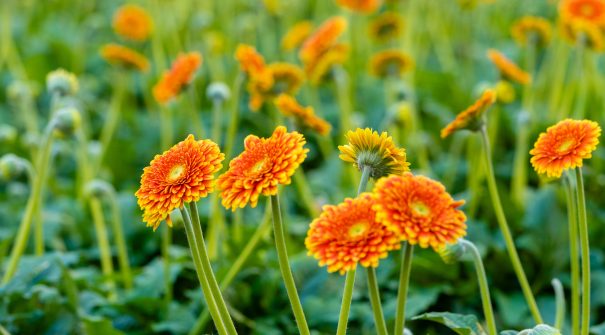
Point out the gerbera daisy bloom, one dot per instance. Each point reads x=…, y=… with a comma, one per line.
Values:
x=296, y=35
x=419, y=210
x=366, y=148
x=285, y=78
x=123, y=56
x=592, y=11
x=180, y=175
x=321, y=66
x=362, y=6
x=472, y=117
x=132, y=22
x=507, y=68
x=179, y=76
x=533, y=28
x=584, y=31
x=386, y=27
x=348, y=234
x=390, y=63
x=322, y=39
x=564, y=146
x=288, y=106
x=264, y=164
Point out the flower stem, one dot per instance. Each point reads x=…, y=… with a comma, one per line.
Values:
x=402, y=293
x=381, y=326
x=234, y=115
x=488, y=310
x=573, y=255
x=201, y=274
x=104, y=249
x=560, y=303
x=585, y=251
x=341, y=81
x=304, y=191
x=203, y=255
x=508, y=238
x=120, y=240
x=284, y=266
x=113, y=116
x=346, y=302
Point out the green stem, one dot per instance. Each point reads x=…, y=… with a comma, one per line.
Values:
x=234, y=115
x=560, y=302
x=120, y=240
x=344, y=103
x=488, y=310
x=104, y=249
x=203, y=255
x=508, y=238
x=201, y=274
x=216, y=225
x=304, y=191
x=284, y=266
x=585, y=251
x=581, y=86
x=166, y=242
x=402, y=293
x=346, y=302
x=381, y=326
x=574, y=259
x=113, y=116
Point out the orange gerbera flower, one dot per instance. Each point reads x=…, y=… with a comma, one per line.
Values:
x=472, y=117
x=296, y=35
x=592, y=11
x=507, y=68
x=390, y=63
x=288, y=106
x=362, y=6
x=285, y=78
x=419, y=210
x=378, y=152
x=564, y=146
x=386, y=27
x=132, y=22
x=321, y=66
x=180, y=175
x=123, y=56
x=532, y=28
x=347, y=234
x=322, y=39
x=180, y=75
x=264, y=164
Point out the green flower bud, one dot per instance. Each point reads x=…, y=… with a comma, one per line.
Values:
x=452, y=253
x=8, y=134
x=66, y=121
x=12, y=167
x=218, y=91
x=62, y=82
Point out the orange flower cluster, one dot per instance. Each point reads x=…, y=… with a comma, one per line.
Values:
x=180, y=75
x=264, y=164
x=347, y=234
x=419, y=210
x=253, y=64
x=320, y=51
x=390, y=63
x=180, y=175
x=296, y=35
x=386, y=27
x=284, y=77
x=123, y=56
x=288, y=106
x=362, y=6
x=532, y=29
x=507, y=68
x=583, y=18
x=472, y=117
x=132, y=22
x=564, y=146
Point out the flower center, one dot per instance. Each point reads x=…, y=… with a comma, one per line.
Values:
x=176, y=172
x=566, y=145
x=420, y=208
x=358, y=229
x=259, y=166
x=587, y=10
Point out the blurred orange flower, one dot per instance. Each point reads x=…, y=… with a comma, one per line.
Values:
x=390, y=63
x=123, y=56
x=288, y=106
x=180, y=175
x=532, y=27
x=321, y=66
x=285, y=78
x=362, y=6
x=472, y=117
x=564, y=146
x=347, y=234
x=592, y=11
x=180, y=75
x=264, y=164
x=507, y=68
x=296, y=35
x=322, y=39
x=419, y=210
x=132, y=22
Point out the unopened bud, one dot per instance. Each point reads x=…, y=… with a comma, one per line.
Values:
x=62, y=82
x=66, y=121
x=218, y=91
x=453, y=253
x=12, y=167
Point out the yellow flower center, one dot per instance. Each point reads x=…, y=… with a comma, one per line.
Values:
x=176, y=172
x=358, y=229
x=420, y=208
x=566, y=145
x=259, y=166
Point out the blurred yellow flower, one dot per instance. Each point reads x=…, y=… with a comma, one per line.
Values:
x=288, y=106
x=505, y=92
x=391, y=63
x=296, y=35
x=583, y=32
x=125, y=57
x=285, y=78
x=532, y=29
x=472, y=117
x=319, y=68
x=386, y=27
x=362, y=6
x=132, y=22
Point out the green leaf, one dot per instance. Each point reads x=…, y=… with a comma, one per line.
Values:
x=461, y=324
x=99, y=326
x=541, y=330
x=509, y=332
x=598, y=329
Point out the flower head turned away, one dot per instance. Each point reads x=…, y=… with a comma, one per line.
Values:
x=585, y=32
x=285, y=78
x=452, y=252
x=125, y=57
x=288, y=106
x=182, y=174
x=507, y=68
x=62, y=82
x=592, y=11
x=361, y=6
x=132, y=22
x=322, y=39
x=366, y=148
x=471, y=118
x=12, y=167
x=179, y=76
x=66, y=121
x=296, y=35
x=419, y=210
x=532, y=29
x=348, y=234
x=390, y=63
x=264, y=164
x=386, y=27
x=321, y=66
x=564, y=146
